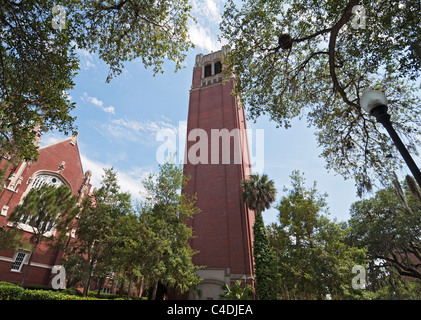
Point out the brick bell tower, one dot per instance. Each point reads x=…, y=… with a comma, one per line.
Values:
x=217, y=159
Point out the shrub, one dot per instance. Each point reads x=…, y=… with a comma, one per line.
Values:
x=10, y=291
x=72, y=292
x=50, y=295
x=110, y=296
x=4, y=283
x=37, y=287
x=36, y=294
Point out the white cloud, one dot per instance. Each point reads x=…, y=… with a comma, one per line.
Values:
x=201, y=37
x=99, y=103
x=207, y=11
x=204, y=33
x=129, y=181
x=143, y=132
x=87, y=60
x=109, y=109
x=50, y=137
x=213, y=11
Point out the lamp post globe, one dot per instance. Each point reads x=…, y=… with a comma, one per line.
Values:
x=374, y=102
x=371, y=98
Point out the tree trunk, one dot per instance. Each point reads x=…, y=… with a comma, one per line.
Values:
x=155, y=289
x=130, y=287
x=86, y=288
x=31, y=255
x=140, y=288
x=27, y=268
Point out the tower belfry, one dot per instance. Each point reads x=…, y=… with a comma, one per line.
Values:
x=217, y=159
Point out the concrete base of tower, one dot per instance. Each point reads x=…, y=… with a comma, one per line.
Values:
x=214, y=279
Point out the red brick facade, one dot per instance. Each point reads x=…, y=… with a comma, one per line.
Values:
x=223, y=229
x=61, y=162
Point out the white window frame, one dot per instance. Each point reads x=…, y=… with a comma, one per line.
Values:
x=40, y=179
x=21, y=263
x=4, y=210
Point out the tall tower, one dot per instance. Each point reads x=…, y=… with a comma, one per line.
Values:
x=217, y=159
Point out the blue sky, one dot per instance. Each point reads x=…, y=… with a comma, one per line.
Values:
x=118, y=122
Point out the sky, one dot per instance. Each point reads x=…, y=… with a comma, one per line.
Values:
x=118, y=122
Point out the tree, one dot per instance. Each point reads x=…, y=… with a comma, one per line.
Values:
x=124, y=30
x=164, y=215
x=313, y=257
x=95, y=231
x=46, y=209
x=389, y=225
x=38, y=59
x=258, y=194
x=37, y=65
x=313, y=59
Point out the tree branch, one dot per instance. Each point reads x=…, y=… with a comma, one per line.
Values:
x=313, y=35
x=332, y=42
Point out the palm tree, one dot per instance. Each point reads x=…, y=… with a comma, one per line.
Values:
x=258, y=194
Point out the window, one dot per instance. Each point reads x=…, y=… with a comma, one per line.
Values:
x=208, y=70
x=46, y=179
x=19, y=261
x=40, y=180
x=4, y=210
x=218, y=67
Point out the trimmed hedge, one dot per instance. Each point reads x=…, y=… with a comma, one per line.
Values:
x=50, y=295
x=110, y=296
x=10, y=291
x=4, y=283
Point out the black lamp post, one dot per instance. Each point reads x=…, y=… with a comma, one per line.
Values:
x=375, y=103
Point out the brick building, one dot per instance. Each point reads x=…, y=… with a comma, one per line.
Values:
x=58, y=163
x=217, y=159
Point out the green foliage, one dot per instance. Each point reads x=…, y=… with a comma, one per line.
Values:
x=389, y=225
x=148, y=246
x=123, y=30
x=71, y=291
x=305, y=59
x=109, y=296
x=43, y=209
x=313, y=257
x=10, y=291
x=237, y=292
x=37, y=65
x=258, y=194
x=167, y=256
x=50, y=295
x=38, y=62
x=264, y=262
x=92, y=253
x=4, y=283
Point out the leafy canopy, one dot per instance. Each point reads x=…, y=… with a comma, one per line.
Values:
x=38, y=61
x=310, y=59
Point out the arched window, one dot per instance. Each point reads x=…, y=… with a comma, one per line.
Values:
x=47, y=179
x=218, y=67
x=40, y=180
